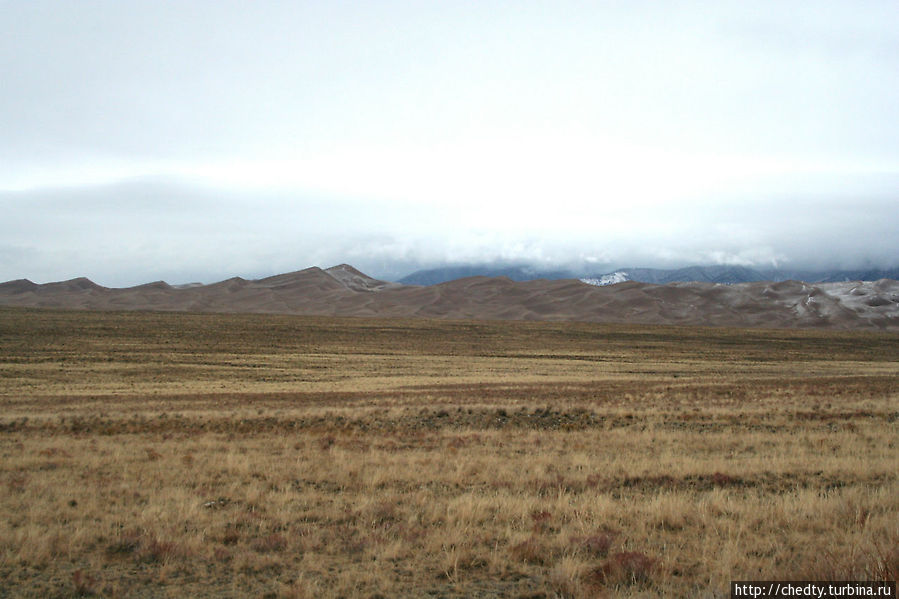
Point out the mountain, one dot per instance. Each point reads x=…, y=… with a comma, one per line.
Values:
x=856, y=275
x=704, y=274
x=435, y=276
x=707, y=274
x=735, y=274
x=344, y=291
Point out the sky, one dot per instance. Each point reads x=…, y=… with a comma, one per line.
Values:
x=196, y=140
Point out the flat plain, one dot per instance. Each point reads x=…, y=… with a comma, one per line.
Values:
x=211, y=455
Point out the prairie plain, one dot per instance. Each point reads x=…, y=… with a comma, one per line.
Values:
x=213, y=455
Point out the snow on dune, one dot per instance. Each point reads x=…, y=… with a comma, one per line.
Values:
x=864, y=299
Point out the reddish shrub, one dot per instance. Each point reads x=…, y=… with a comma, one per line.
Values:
x=457, y=442
x=723, y=480
x=593, y=480
x=17, y=482
x=597, y=544
x=541, y=520
x=221, y=554
x=626, y=567
x=384, y=513
x=270, y=544
x=530, y=551
x=51, y=452
x=541, y=516
x=127, y=543
x=156, y=551
x=84, y=584
x=886, y=564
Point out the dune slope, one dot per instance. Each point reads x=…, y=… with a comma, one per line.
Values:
x=344, y=291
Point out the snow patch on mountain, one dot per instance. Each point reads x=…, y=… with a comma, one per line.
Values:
x=609, y=279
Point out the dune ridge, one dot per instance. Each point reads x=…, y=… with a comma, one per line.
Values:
x=345, y=291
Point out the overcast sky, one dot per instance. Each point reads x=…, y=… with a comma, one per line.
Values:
x=197, y=140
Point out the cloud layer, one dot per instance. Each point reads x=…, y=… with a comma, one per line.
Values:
x=144, y=230
x=201, y=139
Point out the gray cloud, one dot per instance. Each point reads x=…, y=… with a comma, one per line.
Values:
x=201, y=139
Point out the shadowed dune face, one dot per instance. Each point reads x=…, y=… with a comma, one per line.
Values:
x=344, y=291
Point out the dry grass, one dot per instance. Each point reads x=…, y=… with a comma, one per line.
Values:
x=269, y=456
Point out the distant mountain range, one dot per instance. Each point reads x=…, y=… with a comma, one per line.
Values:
x=344, y=291
x=435, y=276
x=702, y=274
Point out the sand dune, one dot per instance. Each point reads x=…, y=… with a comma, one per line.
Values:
x=344, y=291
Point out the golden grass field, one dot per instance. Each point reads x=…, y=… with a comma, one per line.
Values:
x=189, y=455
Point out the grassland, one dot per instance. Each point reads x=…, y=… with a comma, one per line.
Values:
x=187, y=455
